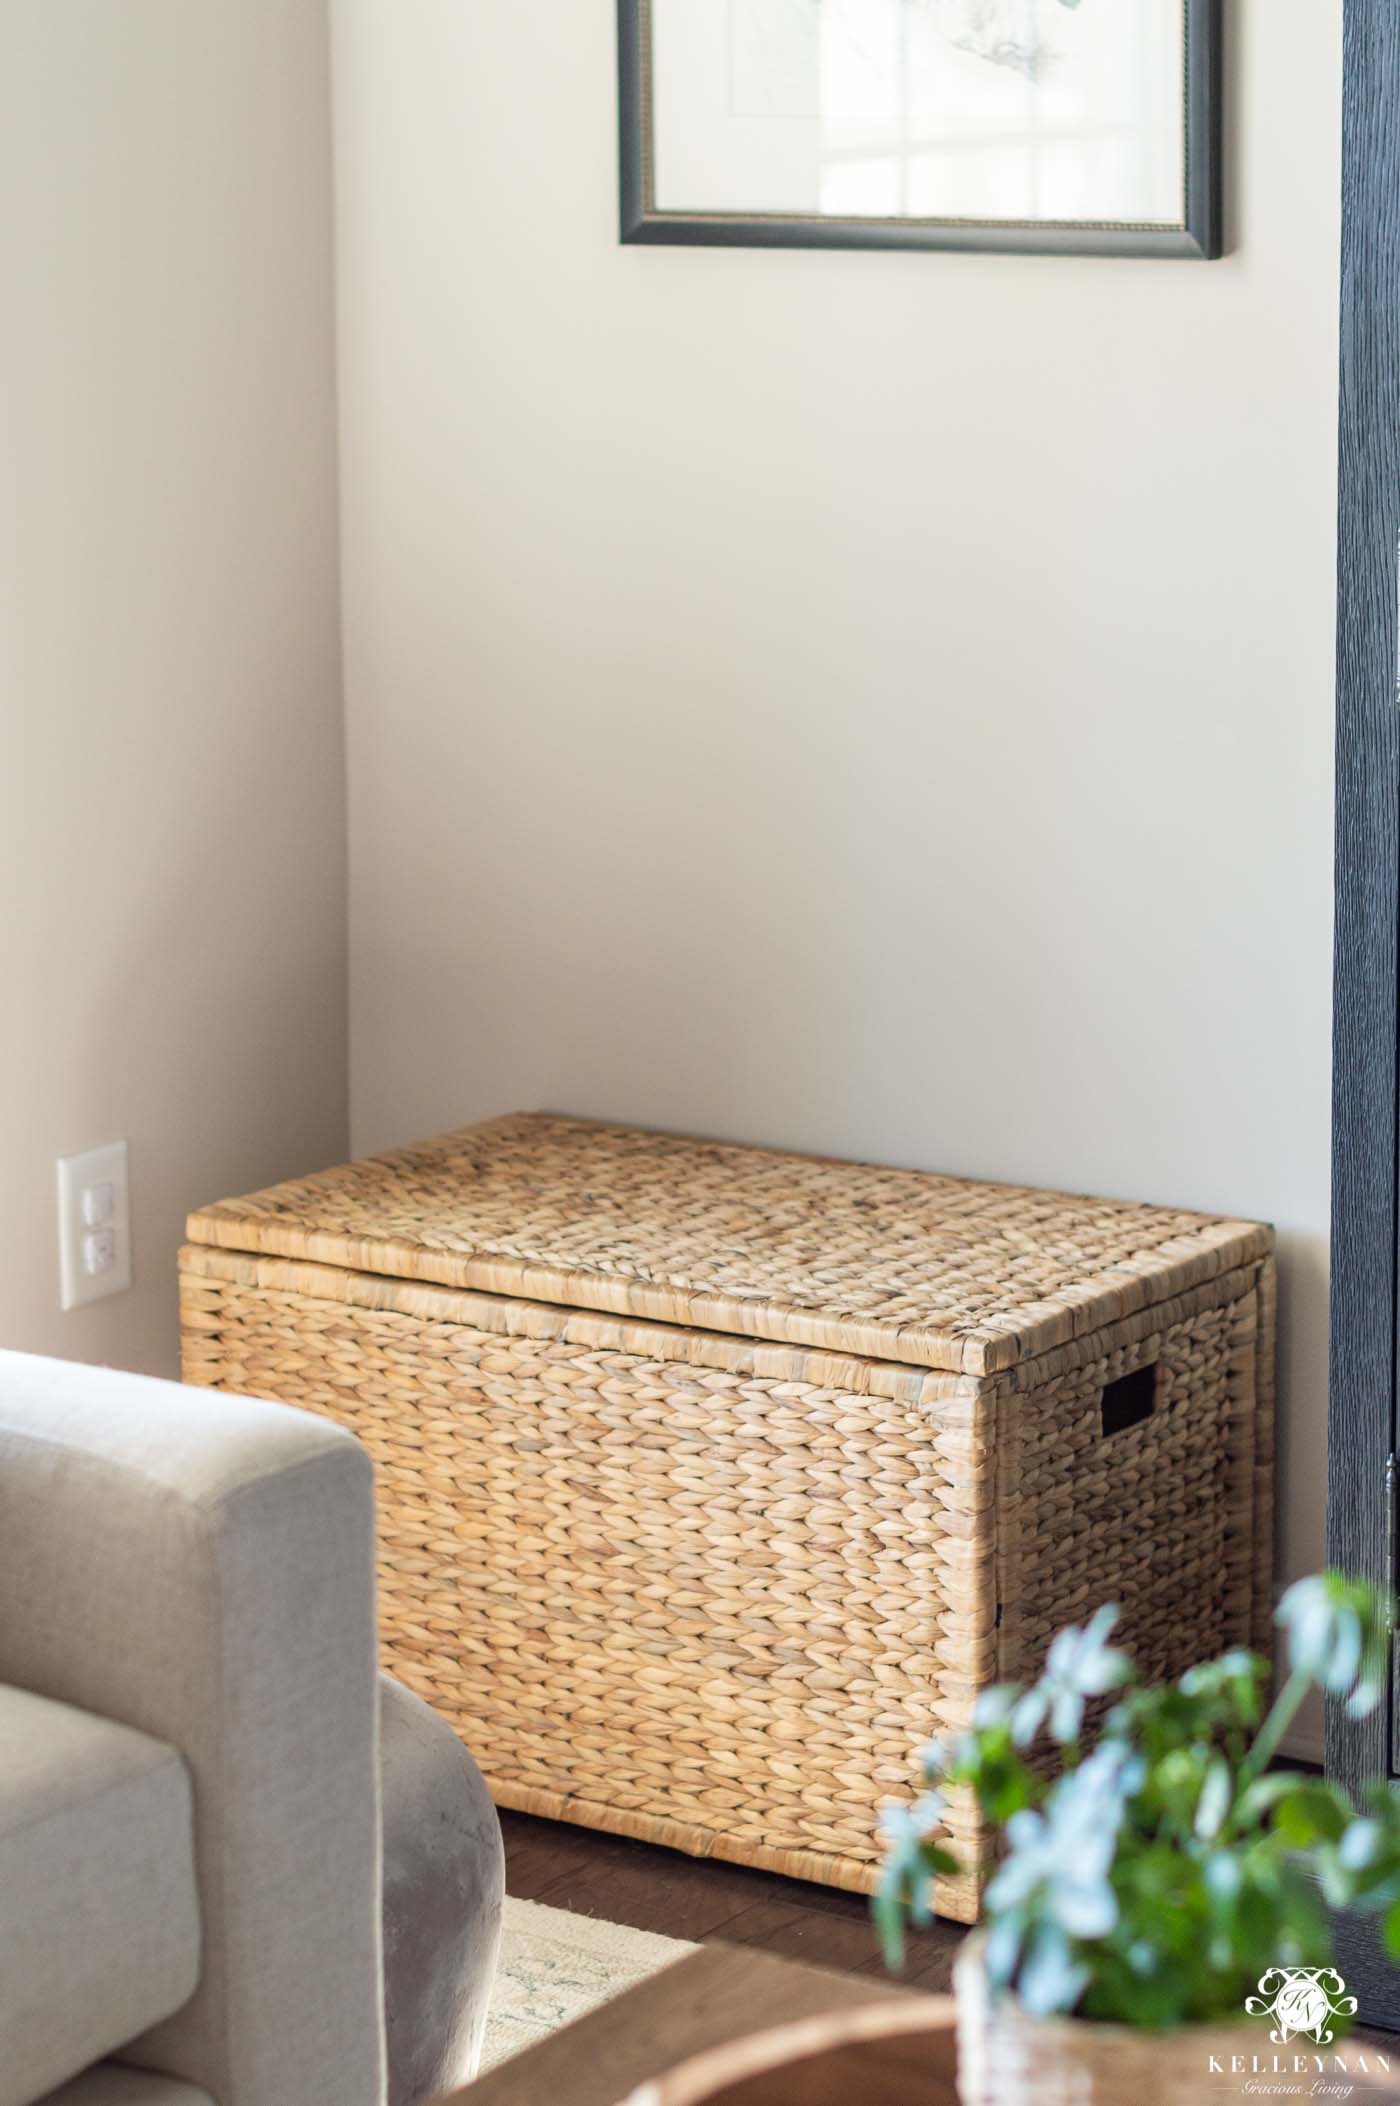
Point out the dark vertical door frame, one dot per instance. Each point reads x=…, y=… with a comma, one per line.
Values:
x=1362, y=1386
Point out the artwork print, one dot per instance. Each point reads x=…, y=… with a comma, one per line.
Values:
x=1016, y=123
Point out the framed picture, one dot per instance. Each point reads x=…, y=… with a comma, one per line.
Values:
x=1070, y=126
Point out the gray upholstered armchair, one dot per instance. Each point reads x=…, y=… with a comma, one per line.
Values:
x=198, y=1824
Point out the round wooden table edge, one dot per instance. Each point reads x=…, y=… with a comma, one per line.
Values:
x=798, y=2047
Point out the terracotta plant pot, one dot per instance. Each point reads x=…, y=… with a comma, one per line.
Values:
x=1007, y=2058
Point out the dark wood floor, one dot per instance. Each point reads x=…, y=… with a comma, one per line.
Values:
x=696, y=1898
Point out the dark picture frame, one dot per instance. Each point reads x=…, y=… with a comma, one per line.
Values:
x=1197, y=236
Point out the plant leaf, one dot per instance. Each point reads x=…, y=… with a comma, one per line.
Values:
x=1214, y=1801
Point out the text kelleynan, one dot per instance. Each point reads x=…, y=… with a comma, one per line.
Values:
x=1359, y=2063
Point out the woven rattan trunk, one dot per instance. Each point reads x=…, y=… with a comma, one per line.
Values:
x=712, y=1481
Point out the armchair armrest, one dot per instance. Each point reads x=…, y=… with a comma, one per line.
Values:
x=201, y=1567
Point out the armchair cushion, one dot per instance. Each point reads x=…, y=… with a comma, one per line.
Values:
x=201, y=1567
x=109, y=2084
x=99, y=1922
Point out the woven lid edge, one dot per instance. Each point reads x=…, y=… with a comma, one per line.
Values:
x=1214, y=1245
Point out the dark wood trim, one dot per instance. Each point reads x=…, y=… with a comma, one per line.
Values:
x=1200, y=237
x=1364, y=1332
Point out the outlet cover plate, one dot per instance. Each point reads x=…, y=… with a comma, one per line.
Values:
x=77, y=1243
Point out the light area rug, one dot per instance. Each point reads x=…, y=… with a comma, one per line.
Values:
x=556, y=1965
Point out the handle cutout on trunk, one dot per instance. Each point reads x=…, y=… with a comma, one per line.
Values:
x=1129, y=1400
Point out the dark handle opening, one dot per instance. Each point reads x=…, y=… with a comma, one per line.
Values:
x=1129, y=1400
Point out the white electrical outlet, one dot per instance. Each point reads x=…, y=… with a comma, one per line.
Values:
x=94, y=1225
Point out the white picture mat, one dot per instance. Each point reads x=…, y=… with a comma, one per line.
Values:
x=1003, y=110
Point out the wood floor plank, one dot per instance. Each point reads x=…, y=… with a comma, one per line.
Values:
x=540, y=1853
x=681, y=1897
x=699, y=1898
x=928, y=1963
x=798, y=1933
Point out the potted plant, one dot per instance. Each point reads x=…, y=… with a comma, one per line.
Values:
x=1160, y=1888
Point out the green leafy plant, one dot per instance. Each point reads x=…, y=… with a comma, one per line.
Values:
x=1148, y=1879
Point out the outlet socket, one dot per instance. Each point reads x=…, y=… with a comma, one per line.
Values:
x=94, y=1225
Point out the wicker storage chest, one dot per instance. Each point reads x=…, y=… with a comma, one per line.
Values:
x=713, y=1480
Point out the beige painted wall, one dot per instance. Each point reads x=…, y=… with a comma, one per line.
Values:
x=872, y=703
x=171, y=820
